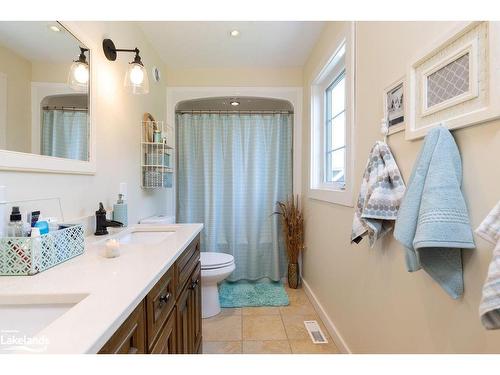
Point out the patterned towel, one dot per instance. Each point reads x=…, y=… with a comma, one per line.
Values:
x=381, y=192
x=433, y=221
x=489, y=309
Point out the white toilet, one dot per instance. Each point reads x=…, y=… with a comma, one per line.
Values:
x=215, y=267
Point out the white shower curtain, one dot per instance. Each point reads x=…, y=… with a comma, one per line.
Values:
x=232, y=168
x=65, y=134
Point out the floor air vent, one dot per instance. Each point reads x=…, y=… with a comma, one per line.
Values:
x=315, y=332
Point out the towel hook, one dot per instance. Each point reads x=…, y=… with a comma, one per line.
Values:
x=384, y=129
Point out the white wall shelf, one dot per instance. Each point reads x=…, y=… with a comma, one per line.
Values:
x=156, y=158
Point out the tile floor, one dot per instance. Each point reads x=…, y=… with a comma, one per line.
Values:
x=265, y=330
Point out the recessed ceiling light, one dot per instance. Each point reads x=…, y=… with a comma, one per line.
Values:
x=235, y=103
x=55, y=28
x=234, y=33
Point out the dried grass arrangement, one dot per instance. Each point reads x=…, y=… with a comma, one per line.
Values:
x=293, y=233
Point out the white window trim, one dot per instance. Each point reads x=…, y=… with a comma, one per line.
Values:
x=338, y=73
x=318, y=189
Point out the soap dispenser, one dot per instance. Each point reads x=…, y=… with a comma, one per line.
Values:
x=120, y=211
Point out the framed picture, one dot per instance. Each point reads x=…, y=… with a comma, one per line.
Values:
x=452, y=83
x=394, y=106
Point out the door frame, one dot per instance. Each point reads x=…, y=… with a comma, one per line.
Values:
x=292, y=94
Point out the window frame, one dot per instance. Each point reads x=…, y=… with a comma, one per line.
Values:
x=337, y=62
x=328, y=123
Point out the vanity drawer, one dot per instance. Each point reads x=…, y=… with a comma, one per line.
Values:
x=160, y=301
x=186, y=263
x=130, y=338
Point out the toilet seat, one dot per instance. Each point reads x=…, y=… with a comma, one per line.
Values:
x=210, y=260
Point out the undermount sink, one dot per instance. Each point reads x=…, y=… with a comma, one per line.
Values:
x=29, y=314
x=144, y=237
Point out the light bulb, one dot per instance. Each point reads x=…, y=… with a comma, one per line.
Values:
x=78, y=77
x=136, y=79
x=81, y=73
x=136, y=75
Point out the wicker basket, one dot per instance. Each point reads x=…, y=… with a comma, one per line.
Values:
x=21, y=256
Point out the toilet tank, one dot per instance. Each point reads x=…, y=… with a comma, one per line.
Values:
x=158, y=220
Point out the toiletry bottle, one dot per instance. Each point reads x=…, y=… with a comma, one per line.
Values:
x=15, y=226
x=36, y=249
x=53, y=223
x=15, y=229
x=157, y=136
x=43, y=226
x=34, y=217
x=120, y=211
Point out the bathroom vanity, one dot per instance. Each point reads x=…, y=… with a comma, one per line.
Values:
x=168, y=320
x=147, y=300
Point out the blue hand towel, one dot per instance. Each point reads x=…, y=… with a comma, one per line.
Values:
x=433, y=222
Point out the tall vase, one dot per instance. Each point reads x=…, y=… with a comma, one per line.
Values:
x=293, y=275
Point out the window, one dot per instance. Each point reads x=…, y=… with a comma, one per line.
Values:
x=332, y=118
x=335, y=131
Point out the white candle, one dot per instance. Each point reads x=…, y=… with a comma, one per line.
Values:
x=112, y=248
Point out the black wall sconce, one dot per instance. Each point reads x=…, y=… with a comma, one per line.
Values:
x=136, y=78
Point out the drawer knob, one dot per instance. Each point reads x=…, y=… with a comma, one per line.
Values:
x=165, y=298
x=195, y=283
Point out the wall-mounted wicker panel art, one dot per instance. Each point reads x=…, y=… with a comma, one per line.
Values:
x=448, y=82
x=453, y=83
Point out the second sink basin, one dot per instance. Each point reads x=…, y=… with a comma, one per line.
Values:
x=29, y=314
x=143, y=237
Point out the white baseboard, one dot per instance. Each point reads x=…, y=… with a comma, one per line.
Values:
x=332, y=330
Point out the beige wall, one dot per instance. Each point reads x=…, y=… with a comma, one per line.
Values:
x=18, y=72
x=118, y=119
x=375, y=304
x=49, y=72
x=263, y=77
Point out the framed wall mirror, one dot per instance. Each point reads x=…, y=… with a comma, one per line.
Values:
x=45, y=98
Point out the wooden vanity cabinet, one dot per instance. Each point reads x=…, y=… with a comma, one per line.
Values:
x=195, y=309
x=189, y=315
x=167, y=342
x=168, y=320
x=130, y=338
x=160, y=302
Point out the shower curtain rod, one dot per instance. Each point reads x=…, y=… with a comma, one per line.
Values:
x=234, y=112
x=62, y=108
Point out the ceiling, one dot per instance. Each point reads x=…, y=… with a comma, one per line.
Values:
x=207, y=44
x=34, y=41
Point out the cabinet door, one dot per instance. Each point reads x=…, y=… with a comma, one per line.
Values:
x=130, y=338
x=166, y=343
x=186, y=263
x=195, y=309
x=184, y=325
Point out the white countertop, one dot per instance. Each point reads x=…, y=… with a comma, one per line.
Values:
x=112, y=288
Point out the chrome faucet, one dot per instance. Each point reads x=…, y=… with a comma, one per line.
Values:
x=102, y=223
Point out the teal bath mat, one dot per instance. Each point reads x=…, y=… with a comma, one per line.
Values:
x=252, y=293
